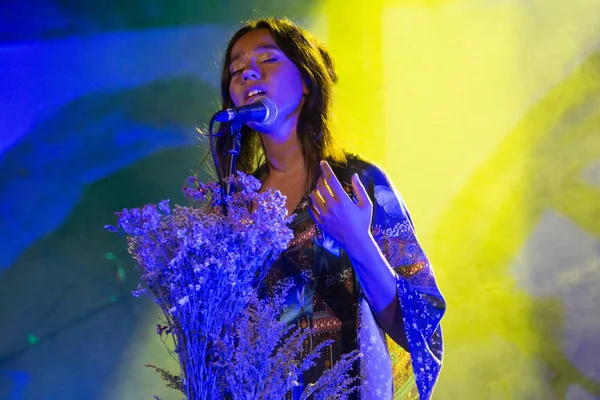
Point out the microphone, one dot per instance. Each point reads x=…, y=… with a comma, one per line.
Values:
x=263, y=112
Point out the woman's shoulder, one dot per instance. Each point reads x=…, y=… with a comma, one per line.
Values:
x=354, y=163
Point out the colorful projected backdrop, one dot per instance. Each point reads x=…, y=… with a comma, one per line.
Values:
x=486, y=114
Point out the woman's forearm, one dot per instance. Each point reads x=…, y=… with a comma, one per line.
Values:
x=378, y=282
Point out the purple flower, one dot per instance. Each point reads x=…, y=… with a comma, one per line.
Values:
x=202, y=268
x=111, y=228
x=164, y=207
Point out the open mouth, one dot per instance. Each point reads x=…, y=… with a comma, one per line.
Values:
x=254, y=93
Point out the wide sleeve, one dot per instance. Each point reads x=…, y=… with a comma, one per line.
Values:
x=420, y=299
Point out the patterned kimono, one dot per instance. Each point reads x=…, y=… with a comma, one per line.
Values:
x=328, y=298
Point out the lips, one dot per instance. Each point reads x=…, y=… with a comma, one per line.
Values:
x=254, y=92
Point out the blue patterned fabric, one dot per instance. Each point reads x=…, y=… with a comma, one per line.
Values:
x=327, y=297
x=422, y=303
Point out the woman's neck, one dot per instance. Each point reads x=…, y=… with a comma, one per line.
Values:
x=284, y=155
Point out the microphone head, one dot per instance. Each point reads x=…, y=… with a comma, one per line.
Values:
x=271, y=114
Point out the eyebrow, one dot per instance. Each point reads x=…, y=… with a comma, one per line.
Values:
x=259, y=48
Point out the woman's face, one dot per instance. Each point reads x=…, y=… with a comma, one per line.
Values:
x=259, y=67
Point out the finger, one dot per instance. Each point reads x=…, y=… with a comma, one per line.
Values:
x=314, y=213
x=324, y=192
x=362, y=197
x=332, y=180
x=317, y=201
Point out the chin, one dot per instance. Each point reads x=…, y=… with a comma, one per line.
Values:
x=259, y=128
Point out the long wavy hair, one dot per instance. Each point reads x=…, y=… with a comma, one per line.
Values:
x=314, y=122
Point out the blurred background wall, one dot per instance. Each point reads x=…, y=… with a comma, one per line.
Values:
x=485, y=113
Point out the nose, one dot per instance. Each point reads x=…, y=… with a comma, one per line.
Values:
x=251, y=72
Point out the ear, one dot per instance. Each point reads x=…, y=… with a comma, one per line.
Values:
x=305, y=83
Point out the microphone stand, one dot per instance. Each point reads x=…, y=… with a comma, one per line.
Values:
x=235, y=130
x=233, y=153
